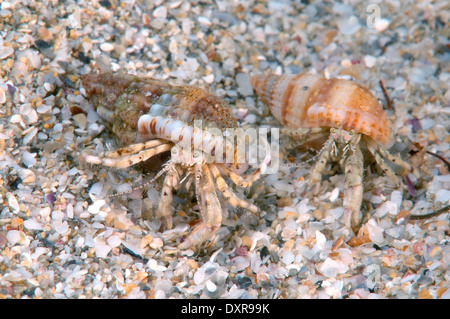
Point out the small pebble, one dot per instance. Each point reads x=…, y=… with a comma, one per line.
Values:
x=160, y=12
x=375, y=232
x=244, y=282
x=101, y=248
x=107, y=47
x=80, y=120
x=95, y=207
x=50, y=198
x=5, y=5
x=29, y=159
x=247, y=241
x=210, y=286
x=331, y=268
x=204, y=20
x=243, y=82
x=334, y=195
x=2, y=95
x=32, y=224
x=13, y=202
x=17, y=237
x=348, y=25
x=381, y=24
x=156, y=243
x=61, y=227
x=42, y=44
x=288, y=257
x=370, y=61
x=443, y=196
x=114, y=241
x=5, y=52
x=199, y=276
x=164, y=286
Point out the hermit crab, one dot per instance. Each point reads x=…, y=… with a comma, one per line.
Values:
x=151, y=117
x=309, y=105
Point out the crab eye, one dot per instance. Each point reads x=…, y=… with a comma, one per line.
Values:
x=333, y=130
x=196, y=154
x=174, y=150
x=351, y=132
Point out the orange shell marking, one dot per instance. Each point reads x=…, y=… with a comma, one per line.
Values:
x=309, y=100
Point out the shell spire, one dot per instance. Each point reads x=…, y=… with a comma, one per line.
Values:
x=309, y=100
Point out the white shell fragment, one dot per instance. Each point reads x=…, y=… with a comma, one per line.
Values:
x=32, y=224
x=114, y=241
x=29, y=159
x=211, y=286
x=101, y=248
x=2, y=95
x=5, y=52
x=13, y=202
x=348, y=25
x=370, y=61
x=381, y=24
x=443, y=196
x=243, y=81
x=17, y=237
x=95, y=207
x=107, y=47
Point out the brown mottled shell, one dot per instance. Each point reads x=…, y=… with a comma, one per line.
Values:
x=128, y=97
x=309, y=100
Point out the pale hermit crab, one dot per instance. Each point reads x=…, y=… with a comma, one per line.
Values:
x=151, y=117
x=309, y=105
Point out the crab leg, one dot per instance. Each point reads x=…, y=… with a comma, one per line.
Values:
x=323, y=158
x=374, y=148
x=135, y=148
x=247, y=181
x=166, y=167
x=126, y=161
x=164, y=210
x=384, y=166
x=353, y=195
x=210, y=208
x=228, y=193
